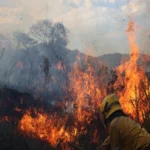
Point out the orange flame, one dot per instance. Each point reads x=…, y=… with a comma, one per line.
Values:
x=132, y=78
x=86, y=92
x=50, y=128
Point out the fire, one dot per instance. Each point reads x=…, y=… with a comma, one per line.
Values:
x=60, y=66
x=87, y=87
x=86, y=93
x=132, y=78
x=50, y=128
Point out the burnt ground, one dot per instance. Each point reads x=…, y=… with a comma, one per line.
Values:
x=11, y=139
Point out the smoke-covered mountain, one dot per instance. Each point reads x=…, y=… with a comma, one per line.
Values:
x=41, y=66
x=39, y=61
x=113, y=60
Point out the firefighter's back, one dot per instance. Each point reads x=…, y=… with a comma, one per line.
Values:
x=130, y=134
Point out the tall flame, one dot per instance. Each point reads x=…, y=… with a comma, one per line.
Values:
x=131, y=76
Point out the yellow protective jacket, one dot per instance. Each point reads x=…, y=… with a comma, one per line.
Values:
x=126, y=134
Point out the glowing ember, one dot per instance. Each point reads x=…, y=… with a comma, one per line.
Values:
x=60, y=66
x=5, y=118
x=17, y=109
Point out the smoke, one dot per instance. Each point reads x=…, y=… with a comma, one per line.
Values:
x=89, y=21
x=98, y=25
x=103, y=26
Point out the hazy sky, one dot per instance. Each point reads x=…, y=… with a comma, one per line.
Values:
x=99, y=25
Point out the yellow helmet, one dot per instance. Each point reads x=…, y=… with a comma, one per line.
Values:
x=109, y=105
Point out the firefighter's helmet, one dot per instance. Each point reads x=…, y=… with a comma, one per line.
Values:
x=109, y=105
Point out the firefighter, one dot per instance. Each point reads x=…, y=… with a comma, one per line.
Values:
x=124, y=133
